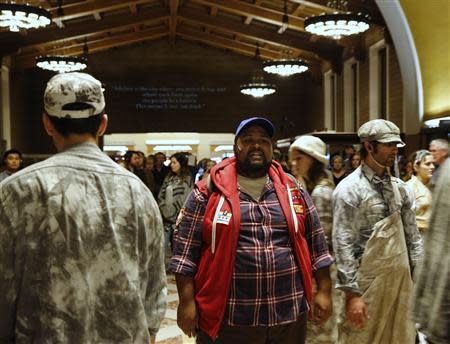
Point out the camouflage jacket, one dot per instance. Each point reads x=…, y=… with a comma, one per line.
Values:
x=81, y=253
x=321, y=196
x=431, y=300
x=360, y=201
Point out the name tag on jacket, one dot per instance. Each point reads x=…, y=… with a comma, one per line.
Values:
x=224, y=217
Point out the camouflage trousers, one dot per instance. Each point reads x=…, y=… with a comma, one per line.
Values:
x=327, y=333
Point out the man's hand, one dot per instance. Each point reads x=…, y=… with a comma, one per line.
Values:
x=187, y=317
x=321, y=307
x=357, y=312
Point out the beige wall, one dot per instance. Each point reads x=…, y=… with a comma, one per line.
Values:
x=430, y=26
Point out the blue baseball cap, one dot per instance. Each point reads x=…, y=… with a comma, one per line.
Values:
x=261, y=121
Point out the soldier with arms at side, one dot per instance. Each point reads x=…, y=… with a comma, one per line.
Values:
x=376, y=243
x=81, y=238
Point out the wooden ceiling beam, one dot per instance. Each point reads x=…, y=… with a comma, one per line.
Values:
x=49, y=37
x=174, y=5
x=249, y=19
x=213, y=11
x=246, y=9
x=86, y=8
x=315, y=5
x=225, y=43
x=101, y=45
x=59, y=23
x=367, y=7
x=133, y=9
x=97, y=16
x=299, y=9
x=288, y=42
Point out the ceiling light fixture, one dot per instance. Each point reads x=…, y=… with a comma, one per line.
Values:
x=172, y=142
x=222, y=148
x=285, y=67
x=257, y=87
x=60, y=10
x=64, y=64
x=338, y=24
x=23, y=16
x=176, y=148
x=285, y=21
x=61, y=64
x=435, y=123
x=114, y=148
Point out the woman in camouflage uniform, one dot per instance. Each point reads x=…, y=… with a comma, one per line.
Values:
x=307, y=155
x=176, y=187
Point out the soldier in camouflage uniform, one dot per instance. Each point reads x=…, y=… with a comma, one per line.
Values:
x=81, y=238
x=431, y=300
x=376, y=243
x=308, y=155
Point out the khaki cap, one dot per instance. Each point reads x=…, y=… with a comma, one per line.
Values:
x=380, y=130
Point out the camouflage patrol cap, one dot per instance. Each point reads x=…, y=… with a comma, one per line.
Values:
x=69, y=88
x=380, y=130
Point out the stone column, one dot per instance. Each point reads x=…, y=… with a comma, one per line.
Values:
x=5, y=106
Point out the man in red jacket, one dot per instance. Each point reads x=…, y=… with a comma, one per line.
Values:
x=249, y=242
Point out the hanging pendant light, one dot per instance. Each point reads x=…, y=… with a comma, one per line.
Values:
x=285, y=21
x=64, y=64
x=257, y=87
x=61, y=64
x=23, y=16
x=285, y=67
x=338, y=24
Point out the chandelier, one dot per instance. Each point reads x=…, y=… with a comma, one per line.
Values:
x=23, y=16
x=257, y=87
x=337, y=24
x=64, y=64
x=61, y=64
x=285, y=67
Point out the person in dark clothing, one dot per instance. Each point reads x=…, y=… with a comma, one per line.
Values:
x=349, y=151
x=149, y=165
x=337, y=169
x=160, y=171
x=134, y=163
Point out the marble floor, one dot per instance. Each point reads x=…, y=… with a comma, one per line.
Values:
x=169, y=333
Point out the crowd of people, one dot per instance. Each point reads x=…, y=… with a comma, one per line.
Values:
x=170, y=183
x=339, y=250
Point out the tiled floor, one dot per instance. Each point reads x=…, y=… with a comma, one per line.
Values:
x=169, y=333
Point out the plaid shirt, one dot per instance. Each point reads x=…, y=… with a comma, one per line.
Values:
x=266, y=287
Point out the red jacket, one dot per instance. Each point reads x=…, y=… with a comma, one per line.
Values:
x=215, y=268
